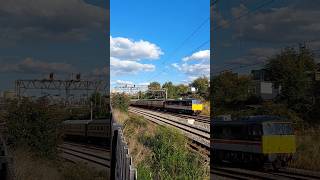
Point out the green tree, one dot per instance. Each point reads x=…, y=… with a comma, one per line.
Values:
x=120, y=101
x=202, y=86
x=229, y=88
x=35, y=124
x=100, y=105
x=292, y=69
x=154, y=86
x=171, y=89
x=181, y=89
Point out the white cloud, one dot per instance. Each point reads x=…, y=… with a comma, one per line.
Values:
x=31, y=66
x=193, y=69
x=125, y=54
x=201, y=67
x=124, y=48
x=125, y=67
x=294, y=23
x=47, y=19
x=254, y=56
x=200, y=55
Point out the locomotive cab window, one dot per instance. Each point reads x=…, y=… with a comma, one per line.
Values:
x=254, y=132
x=277, y=129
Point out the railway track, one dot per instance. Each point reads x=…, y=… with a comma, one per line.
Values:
x=242, y=174
x=93, y=156
x=199, y=118
x=200, y=136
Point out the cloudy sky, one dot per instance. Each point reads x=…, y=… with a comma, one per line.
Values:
x=159, y=41
x=42, y=36
x=247, y=32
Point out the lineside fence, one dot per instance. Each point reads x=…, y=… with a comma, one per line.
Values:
x=121, y=161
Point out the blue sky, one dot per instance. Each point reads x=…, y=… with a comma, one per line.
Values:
x=145, y=36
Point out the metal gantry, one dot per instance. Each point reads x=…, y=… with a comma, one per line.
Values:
x=69, y=90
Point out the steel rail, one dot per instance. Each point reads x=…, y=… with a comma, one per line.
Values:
x=199, y=136
x=84, y=154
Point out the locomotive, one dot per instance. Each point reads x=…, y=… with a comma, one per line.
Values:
x=186, y=106
x=258, y=140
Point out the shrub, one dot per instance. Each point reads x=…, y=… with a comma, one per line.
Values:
x=120, y=101
x=35, y=124
x=171, y=158
x=144, y=171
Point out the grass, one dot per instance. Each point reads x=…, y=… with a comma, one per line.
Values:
x=308, y=149
x=160, y=152
x=28, y=166
x=121, y=116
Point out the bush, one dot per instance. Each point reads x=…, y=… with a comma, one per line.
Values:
x=120, y=101
x=144, y=171
x=171, y=158
x=35, y=125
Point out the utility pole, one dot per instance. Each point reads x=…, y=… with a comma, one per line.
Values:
x=91, y=111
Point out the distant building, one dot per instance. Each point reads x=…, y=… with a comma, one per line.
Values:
x=264, y=89
x=262, y=86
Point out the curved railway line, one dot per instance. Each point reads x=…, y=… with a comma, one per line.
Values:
x=93, y=156
x=198, y=118
x=200, y=136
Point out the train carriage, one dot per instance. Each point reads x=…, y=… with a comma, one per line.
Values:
x=187, y=106
x=98, y=131
x=75, y=127
x=94, y=131
x=259, y=140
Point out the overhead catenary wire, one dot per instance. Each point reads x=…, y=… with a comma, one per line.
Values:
x=216, y=28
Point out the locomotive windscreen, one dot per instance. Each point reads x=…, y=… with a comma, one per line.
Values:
x=277, y=129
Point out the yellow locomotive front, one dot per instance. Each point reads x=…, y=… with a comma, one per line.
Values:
x=196, y=106
x=278, y=142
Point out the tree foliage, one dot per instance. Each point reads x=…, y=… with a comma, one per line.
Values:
x=154, y=86
x=293, y=70
x=171, y=158
x=100, y=105
x=202, y=86
x=230, y=88
x=35, y=124
x=120, y=101
x=175, y=91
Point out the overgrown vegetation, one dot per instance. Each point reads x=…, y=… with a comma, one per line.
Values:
x=170, y=157
x=100, y=106
x=120, y=101
x=308, y=149
x=34, y=131
x=35, y=125
x=161, y=152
